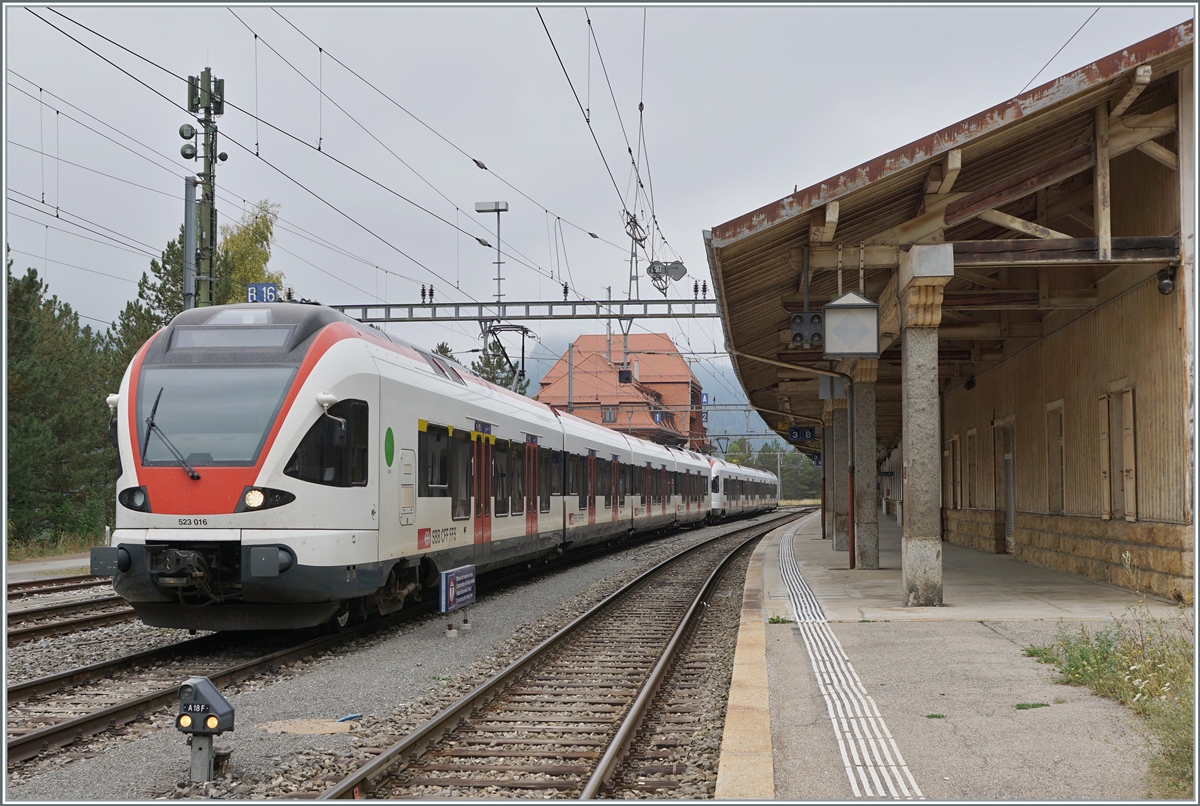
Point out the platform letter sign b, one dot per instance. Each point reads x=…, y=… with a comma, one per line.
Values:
x=262, y=292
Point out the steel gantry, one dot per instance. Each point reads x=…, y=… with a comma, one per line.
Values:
x=533, y=311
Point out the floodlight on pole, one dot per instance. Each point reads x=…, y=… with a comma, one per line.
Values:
x=496, y=207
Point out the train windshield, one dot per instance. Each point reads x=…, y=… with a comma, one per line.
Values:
x=212, y=415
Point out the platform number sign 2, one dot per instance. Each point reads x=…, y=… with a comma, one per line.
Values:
x=262, y=292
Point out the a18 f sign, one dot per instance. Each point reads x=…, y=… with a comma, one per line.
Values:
x=262, y=292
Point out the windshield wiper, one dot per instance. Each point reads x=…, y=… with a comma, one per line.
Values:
x=151, y=426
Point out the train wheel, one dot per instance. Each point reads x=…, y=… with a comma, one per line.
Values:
x=341, y=619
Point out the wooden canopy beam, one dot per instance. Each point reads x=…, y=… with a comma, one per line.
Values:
x=823, y=223
x=1138, y=83
x=1020, y=225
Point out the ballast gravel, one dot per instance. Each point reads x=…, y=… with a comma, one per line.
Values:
x=389, y=684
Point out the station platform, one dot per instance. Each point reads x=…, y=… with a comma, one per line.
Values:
x=861, y=697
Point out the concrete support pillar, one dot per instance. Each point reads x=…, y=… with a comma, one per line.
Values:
x=866, y=511
x=924, y=270
x=826, y=481
x=839, y=455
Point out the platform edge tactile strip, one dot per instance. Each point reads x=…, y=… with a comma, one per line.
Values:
x=869, y=752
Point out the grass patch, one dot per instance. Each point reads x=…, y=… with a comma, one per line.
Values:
x=1028, y=706
x=935, y=716
x=1145, y=663
x=52, y=546
x=779, y=620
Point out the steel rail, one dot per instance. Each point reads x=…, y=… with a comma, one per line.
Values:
x=353, y=785
x=22, y=634
x=619, y=746
x=20, y=590
x=30, y=613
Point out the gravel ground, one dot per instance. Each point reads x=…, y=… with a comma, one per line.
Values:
x=57, y=653
x=395, y=681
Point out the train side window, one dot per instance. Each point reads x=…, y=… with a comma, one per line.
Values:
x=516, y=477
x=556, y=473
x=461, y=457
x=580, y=482
x=318, y=460
x=716, y=483
x=433, y=458
x=500, y=490
x=604, y=481
x=546, y=469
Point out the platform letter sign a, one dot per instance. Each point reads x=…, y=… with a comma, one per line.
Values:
x=262, y=292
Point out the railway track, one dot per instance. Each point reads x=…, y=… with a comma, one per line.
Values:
x=563, y=718
x=22, y=590
x=31, y=623
x=61, y=709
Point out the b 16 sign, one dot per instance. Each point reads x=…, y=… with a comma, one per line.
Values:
x=456, y=588
x=801, y=433
x=262, y=292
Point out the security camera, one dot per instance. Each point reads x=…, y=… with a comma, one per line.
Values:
x=1166, y=280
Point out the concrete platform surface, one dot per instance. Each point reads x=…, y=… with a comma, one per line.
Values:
x=871, y=699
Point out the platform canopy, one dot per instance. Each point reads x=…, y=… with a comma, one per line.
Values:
x=1026, y=192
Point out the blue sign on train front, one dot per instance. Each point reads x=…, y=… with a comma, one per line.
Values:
x=456, y=588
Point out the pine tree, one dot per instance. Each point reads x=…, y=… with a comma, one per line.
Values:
x=493, y=366
x=443, y=349
x=58, y=457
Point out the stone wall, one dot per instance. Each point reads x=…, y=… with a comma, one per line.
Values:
x=1162, y=554
x=980, y=529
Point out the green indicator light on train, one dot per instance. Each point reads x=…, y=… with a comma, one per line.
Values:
x=389, y=447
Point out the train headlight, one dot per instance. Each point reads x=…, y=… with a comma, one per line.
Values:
x=135, y=498
x=185, y=721
x=254, y=499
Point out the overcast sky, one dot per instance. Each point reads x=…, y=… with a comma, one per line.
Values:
x=741, y=106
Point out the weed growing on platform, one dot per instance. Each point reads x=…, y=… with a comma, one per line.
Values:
x=1028, y=706
x=780, y=620
x=1145, y=663
x=935, y=716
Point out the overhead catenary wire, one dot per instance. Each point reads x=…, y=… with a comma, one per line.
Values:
x=281, y=222
x=239, y=144
x=280, y=130
x=525, y=261
x=1060, y=50
x=439, y=135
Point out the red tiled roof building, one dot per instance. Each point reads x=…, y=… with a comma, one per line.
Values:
x=661, y=403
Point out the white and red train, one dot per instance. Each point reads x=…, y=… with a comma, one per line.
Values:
x=283, y=465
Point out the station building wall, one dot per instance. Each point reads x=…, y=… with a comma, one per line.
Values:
x=1067, y=400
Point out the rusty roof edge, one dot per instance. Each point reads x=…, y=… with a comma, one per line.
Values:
x=719, y=295
x=953, y=136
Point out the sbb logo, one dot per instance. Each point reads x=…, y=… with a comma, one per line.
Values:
x=424, y=538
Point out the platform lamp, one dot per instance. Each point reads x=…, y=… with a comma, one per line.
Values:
x=851, y=331
x=496, y=207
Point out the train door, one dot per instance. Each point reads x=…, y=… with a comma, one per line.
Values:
x=531, y=485
x=591, y=488
x=648, y=496
x=663, y=489
x=408, y=488
x=614, y=471
x=483, y=488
